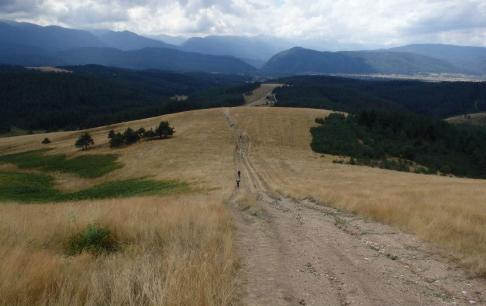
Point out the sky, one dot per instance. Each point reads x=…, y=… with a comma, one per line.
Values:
x=340, y=22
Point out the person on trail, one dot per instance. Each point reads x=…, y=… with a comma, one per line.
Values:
x=238, y=183
x=239, y=174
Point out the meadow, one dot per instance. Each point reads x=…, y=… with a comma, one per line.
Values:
x=449, y=212
x=178, y=247
x=173, y=234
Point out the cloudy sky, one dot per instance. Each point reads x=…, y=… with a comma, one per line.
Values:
x=346, y=22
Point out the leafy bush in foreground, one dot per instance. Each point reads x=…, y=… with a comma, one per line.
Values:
x=94, y=239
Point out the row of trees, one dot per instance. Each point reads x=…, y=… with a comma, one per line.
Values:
x=130, y=136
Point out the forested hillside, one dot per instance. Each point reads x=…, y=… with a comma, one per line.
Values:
x=95, y=95
x=439, y=100
x=393, y=140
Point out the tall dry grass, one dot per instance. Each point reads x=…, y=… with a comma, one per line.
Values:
x=450, y=212
x=176, y=251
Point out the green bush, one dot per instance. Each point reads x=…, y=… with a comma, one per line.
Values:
x=46, y=141
x=94, y=239
x=117, y=140
x=149, y=134
x=164, y=130
x=111, y=134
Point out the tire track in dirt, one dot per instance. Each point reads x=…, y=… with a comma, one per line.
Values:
x=303, y=253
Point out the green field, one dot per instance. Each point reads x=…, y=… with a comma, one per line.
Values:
x=86, y=166
x=30, y=187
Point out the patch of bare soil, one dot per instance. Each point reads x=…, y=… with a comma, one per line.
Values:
x=305, y=253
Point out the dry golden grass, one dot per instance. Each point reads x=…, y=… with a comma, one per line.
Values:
x=448, y=211
x=176, y=251
x=200, y=152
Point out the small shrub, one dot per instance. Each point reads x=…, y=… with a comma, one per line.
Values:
x=130, y=136
x=141, y=132
x=84, y=141
x=149, y=134
x=111, y=134
x=94, y=239
x=117, y=140
x=164, y=130
x=46, y=141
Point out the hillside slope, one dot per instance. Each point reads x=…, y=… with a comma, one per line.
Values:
x=304, y=244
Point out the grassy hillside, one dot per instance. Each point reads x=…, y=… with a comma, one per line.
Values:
x=447, y=211
x=179, y=248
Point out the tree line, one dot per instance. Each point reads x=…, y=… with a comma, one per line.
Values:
x=390, y=139
x=94, y=96
x=432, y=99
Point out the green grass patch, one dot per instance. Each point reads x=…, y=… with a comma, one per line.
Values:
x=94, y=239
x=86, y=166
x=30, y=187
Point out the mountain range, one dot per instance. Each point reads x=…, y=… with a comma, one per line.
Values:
x=27, y=44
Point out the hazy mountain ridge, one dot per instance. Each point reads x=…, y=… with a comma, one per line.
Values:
x=50, y=38
x=33, y=45
x=254, y=50
x=469, y=58
x=306, y=61
x=155, y=58
x=127, y=40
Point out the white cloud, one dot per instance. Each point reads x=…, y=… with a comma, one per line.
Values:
x=364, y=22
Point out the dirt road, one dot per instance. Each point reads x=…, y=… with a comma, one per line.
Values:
x=305, y=253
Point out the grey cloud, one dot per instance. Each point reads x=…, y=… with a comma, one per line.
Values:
x=345, y=21
x=19, y=6
x=462, y=16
